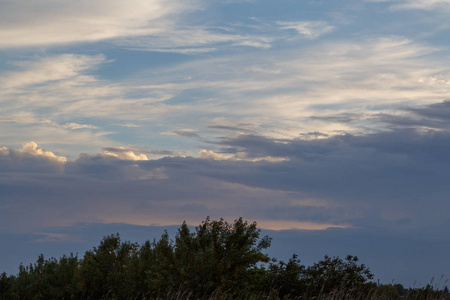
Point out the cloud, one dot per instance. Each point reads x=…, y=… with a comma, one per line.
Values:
x=183, y=132
x=281, y=99
x=49, y=122
x=93, y=188
x=436, y=111
x=64, y=85
x=309, y=29
x=351, y=178
x=45, y=237
x=33, y=149
x=48, y=22
x=194, y=40
x=421, y=4
x=128, y=125
x=208, y=154
x=160, y=26
x=123, y=153
x=241, y=128
x=425, y=118
x=31, y=158
x=301, y=90
x=388, y=184
x=79, y=126
x=64, y=88
x=211, y=155
x=289, y=225
x=51, y=69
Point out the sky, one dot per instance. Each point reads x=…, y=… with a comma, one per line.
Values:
x=326, y=122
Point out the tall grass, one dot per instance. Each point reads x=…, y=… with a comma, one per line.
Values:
x=374, y=292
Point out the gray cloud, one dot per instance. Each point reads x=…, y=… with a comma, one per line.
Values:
x=339, y=118
x=183, y=132
x=230, y=128
x=439, y=111
x=377, y=179
x=383, y=185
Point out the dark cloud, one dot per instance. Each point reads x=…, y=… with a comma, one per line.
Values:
x=185, y=133
x=314, y=134
x=339, y=118
x=120, y=149
x=160, y=152
x=439, y=111
x=230, y=128
x=433, y=116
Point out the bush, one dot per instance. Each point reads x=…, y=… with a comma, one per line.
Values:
x=217, y=260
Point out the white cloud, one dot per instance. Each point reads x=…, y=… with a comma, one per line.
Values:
x=129, y=125
x=79, y=126
x=421, y=4
x=309, y=29
x=33, y=149
x=124, y=153
x=47, y=22
x=29, y=121
x=31, y=159
x=153, y=25
x=49, y=122
x=52, y=69
x=280, y=95
x=195, y=40
x=208, y=154
x=62, y=85
x=277, y=96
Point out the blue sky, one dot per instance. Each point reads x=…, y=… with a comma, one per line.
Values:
x=327, y=122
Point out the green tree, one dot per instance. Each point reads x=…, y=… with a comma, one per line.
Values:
x=219, y=256
x=286, y=278
x=217, y=259
x=6, y=286
x=332, y=274
x=103, y=269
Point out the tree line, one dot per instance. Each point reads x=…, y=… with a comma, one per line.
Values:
x=217, y=260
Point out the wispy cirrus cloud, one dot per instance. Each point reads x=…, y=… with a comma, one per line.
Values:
x=420, y=4
x=239, y=156
x=50, y=94
x=280, y=97
x=51, y=69
x=182, y=132
x=195, y=41
x=49, y=23
x=301, y=92
x=151, y=26
x=70, y=125
x=309, y=29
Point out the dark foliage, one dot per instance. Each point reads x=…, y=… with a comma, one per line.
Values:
x=334, y=273
x=218, y=260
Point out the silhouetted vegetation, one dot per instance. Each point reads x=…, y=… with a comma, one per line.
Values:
x=216, y=261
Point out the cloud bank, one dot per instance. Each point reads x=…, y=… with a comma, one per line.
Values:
x=371, y=180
